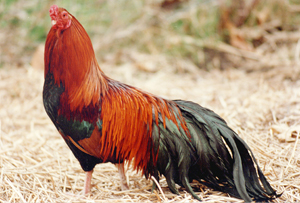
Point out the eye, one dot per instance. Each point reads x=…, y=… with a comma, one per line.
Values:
x=64, y=15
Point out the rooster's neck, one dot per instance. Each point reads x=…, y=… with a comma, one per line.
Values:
x=70, y=58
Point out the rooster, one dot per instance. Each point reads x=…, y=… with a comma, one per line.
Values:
x=103, y=120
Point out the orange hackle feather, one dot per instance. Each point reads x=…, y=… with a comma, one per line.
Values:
x=127, y=114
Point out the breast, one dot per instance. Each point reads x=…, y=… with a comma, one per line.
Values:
x=51, y=97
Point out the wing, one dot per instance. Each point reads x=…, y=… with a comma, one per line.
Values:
x=83, y=138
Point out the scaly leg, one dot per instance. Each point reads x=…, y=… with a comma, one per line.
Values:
x=87, y=182
x=124, y=185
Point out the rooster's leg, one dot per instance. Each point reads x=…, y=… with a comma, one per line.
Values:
x=87, y=182
x=124, y=185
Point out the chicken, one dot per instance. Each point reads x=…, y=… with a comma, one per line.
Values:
x=103, y=120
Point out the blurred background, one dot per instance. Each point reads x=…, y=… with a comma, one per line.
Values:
x=240, y=58
x=184, y=34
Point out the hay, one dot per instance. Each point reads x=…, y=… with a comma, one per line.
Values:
x=36, y=165
x=260, y=100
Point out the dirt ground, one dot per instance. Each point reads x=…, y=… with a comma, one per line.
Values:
x=262, y=106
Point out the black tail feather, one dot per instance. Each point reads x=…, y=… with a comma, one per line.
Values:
x=212, y=154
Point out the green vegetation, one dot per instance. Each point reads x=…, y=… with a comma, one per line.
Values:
x=144, y=26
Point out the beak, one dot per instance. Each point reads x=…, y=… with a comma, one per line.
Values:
x=53, y=22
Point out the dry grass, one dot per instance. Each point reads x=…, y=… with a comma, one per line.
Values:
x=260, y=101
x=36, y=165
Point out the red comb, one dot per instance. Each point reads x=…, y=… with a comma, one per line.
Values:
x=53, y=12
